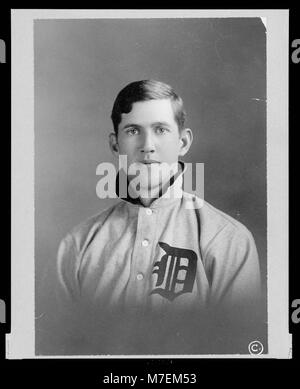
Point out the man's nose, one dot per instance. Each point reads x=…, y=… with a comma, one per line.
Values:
x=147, y=145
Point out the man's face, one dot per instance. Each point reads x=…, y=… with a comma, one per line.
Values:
x=149, y=136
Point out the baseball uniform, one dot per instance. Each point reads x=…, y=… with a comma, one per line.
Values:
x=168, y=259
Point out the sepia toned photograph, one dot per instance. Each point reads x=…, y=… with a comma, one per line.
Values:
x=150, y=186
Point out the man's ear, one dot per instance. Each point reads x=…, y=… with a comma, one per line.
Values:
x=113, y=143
x=186, y=139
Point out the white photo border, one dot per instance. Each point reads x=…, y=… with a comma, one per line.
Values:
x=20, y=343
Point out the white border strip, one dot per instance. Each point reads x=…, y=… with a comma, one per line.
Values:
x=277, y=174
x=144, y=13
x=20, y=343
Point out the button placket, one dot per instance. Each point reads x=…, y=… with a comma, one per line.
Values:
x=145, y=234
x=145, y=242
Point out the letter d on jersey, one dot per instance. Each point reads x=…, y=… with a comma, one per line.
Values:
x=176, y=271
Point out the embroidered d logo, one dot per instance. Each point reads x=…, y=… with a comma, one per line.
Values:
x=176, y=271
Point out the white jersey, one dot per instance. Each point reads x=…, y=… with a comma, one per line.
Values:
x=168, y=257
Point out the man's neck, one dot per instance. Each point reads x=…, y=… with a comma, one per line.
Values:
x=154, y=194
x=146, y=201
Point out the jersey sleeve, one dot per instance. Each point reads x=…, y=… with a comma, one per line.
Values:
x=67, y=259
x=70, y=319
x=233, y=268
x=236, y=309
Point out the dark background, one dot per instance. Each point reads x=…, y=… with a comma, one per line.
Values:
x=218, y=66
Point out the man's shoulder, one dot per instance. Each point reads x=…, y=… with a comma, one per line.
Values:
x=214, y=222
x=220, y=219
x=90, y=226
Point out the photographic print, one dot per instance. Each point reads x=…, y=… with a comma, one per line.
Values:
x=150, y=184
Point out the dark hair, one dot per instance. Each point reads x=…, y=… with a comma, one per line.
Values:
x=146, y=90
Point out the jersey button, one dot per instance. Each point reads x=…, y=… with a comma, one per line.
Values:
x=140, y=276
x=145, y=243
x=149, y=211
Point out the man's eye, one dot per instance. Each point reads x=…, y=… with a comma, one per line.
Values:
x=132, y=131
x=161, y=130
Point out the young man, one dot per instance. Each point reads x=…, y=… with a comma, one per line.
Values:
x=152, y=274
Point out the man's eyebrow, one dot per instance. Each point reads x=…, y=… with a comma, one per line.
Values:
x=152, y=125
x=131, y=125
x=161, y=124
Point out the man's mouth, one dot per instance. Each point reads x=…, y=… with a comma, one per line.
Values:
x=149, y=162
